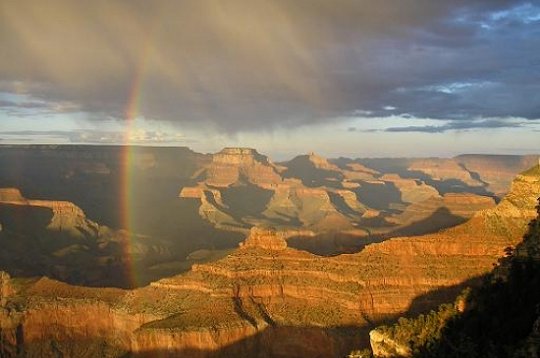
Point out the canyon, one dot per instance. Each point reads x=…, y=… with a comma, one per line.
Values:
x=316, y=253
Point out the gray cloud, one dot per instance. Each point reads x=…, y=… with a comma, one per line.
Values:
x=459, y=125
x=251, y=65
x=139, y=136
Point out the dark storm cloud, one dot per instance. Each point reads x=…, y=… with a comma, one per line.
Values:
x=250, y=65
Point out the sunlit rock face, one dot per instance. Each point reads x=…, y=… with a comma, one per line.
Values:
x=235, y=164
x=444, y=169
x=265, y=238
x=12, y=195
x=384, y=346
x=403, y=197
x=66, y=216
x=494, y=173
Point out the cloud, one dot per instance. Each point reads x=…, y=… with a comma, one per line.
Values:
x=245, y=65
x=461, y=126
x=137, y=136
x=16, y=105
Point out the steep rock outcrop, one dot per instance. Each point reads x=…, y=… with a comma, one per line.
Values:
x=66, y=216
x=234, y=164
x=265, y=238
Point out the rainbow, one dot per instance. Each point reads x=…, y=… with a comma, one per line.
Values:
x=127, y=187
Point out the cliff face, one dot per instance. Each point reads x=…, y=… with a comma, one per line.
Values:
x=234, y=164
x=313, y=170
x=265, y=238
x=448, y=210
x=66, y=216
x=6, y=290
x=471, y=326
x=508, y=220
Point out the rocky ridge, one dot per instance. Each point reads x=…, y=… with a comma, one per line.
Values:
x=312, y=192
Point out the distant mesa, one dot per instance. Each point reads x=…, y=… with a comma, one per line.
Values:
x=234, y=165
x=311, y=160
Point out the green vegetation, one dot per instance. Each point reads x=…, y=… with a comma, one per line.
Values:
x=499, y=319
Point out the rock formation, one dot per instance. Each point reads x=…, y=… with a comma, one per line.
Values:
x=11, y=195
x=66, y=216
x=444, y=169
x=265, y=238
x=235, y=164
x=412, y=190
x=314, y=193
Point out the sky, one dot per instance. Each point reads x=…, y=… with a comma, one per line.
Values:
x=342, y=78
